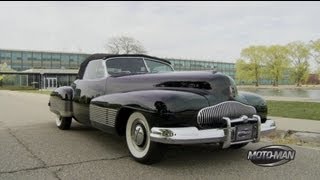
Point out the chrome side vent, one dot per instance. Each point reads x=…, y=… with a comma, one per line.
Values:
x=111, y=117
x=209, y=116
x=103, y=115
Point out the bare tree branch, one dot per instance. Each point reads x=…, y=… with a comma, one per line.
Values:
x=125, y=45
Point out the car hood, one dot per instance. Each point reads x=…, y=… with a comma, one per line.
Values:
x=215, y=86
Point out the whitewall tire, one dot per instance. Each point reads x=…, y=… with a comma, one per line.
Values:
x=138, y=140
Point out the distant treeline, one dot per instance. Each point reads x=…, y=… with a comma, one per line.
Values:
x=275, y=61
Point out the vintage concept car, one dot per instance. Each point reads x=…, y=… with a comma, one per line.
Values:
x=143, y=99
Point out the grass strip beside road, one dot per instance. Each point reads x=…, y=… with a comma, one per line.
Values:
x=35, y=91
x=27, y=89
x=292, y=109
x=31, y=91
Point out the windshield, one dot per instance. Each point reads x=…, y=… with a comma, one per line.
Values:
x=125, y=65
x=157, y=67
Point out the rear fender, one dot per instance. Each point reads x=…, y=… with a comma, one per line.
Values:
x=61, y=101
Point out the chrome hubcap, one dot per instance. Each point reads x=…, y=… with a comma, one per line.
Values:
x=139, y=135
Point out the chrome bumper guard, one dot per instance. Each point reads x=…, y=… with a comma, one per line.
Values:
x=192, y=135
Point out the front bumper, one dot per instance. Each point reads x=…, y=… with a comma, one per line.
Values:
x=192, y=135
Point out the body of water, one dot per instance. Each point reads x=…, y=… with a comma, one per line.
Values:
x=297, y=93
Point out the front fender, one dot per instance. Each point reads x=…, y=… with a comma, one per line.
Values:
x=162, y=101
x=256, y=101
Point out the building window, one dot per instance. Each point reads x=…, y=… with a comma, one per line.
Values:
x=65, y=61
x=36, y=60
x=5, y=57
x=73, y=59
x=56, y=61
x=17, y=60
x=82, y=58
x=26, y=60
x=46, y=60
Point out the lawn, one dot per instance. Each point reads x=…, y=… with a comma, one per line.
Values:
x=36, y=91
x=14, y=88
x=24, y=89
x=300, y=110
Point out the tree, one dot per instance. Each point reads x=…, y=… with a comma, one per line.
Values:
x=251, y=64
x=125, y=45
x=242, y=69
x=299, y=55
x=315, y=50
x=276, y=62
x=4, y=78
x=1, y=78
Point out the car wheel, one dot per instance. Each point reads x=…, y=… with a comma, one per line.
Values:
x=63, y=123
x=238, y=146
x=138, y=140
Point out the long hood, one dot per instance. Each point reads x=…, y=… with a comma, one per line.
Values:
x=215, y=86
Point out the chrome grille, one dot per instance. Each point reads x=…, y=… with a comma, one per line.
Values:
x=103, y=115
x=209, y=116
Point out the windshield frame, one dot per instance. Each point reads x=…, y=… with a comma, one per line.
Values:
x=144, y=62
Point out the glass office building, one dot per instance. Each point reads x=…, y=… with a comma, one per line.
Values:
x=47, y=63
x=23, y=60
x=196, y=65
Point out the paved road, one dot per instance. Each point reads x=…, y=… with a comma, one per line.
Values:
x=31, y=147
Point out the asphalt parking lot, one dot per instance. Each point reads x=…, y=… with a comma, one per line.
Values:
x=31, y=147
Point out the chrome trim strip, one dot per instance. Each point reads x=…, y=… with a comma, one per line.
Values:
x=186, y=135
x=259, y=128
x=227, y=133
x=192, y=135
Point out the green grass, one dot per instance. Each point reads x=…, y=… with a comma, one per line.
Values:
x=290, y=109
x=27, y=89
x=36, y=91
x=14, y=88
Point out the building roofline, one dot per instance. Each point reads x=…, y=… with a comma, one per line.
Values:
x=89, y=54
x=26, y=73
x=44, y=51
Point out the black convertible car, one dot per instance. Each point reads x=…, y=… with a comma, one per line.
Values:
x=142, y=98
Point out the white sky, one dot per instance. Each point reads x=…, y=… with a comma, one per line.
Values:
x=205, y=30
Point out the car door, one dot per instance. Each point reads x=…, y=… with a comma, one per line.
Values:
x=92, y=85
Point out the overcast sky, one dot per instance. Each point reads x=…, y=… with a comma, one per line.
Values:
x=207, y=30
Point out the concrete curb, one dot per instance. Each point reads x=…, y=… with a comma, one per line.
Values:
x=298, y=137
x=293, y=124
x=308, y=137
